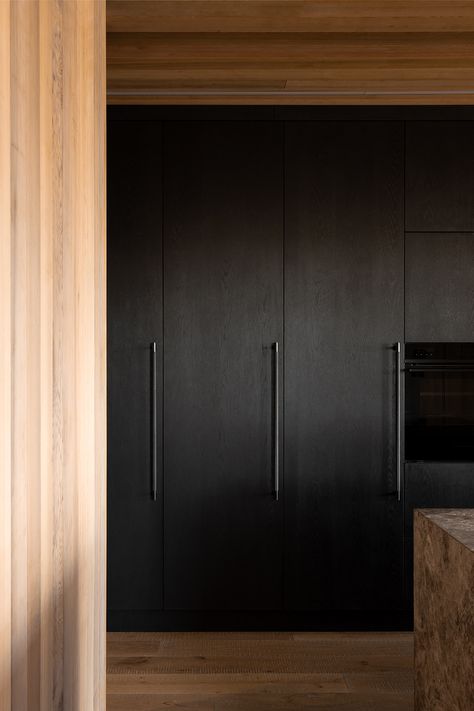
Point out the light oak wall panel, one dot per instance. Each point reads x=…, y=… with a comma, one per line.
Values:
x=52, y=365
x=5, y=364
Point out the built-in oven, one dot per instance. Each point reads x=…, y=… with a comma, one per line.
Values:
x=439, y=402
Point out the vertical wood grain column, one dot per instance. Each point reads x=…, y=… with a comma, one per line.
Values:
x=5, y=364
x=52, y=360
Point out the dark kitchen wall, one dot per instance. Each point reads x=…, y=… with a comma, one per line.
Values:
x=439, y=284
x=356, y=229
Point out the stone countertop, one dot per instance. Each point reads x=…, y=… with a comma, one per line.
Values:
x=444, y=605
x=458, y=523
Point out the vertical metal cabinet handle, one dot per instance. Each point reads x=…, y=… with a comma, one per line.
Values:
x=276, y=440
x=154, y=463
x=398, y=351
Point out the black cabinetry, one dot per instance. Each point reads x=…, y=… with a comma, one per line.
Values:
x=226, y=238
x=439, y=287
x=439, y=308
x=233, y=230
x=343, y=312
x=223, y=296
x=439, y=176
x=134, y=304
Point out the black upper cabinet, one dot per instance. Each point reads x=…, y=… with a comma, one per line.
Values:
x=439, y=176
x=439, y=287
x=223, y=303
x=134, y=287
x=343, y=312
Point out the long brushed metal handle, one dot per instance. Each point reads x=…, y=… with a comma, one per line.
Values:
x=276, y=437
x=398, y=351
x=154, y=462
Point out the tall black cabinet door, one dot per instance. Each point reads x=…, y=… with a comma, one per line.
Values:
x=343, y=312
x=135, y=521
x=223, y=230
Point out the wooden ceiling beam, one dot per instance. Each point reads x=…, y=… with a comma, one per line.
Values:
x=198, y=65
x=290, y=51
x=290, y=16
x=146, y=49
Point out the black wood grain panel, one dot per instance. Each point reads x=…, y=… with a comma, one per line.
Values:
x=344, y=310
x=434, y=485
x=223, y=234
x=440, y=176
x=439, y=287
x=135, y=556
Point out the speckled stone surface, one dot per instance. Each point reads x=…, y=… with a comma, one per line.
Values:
x=444, y=609
x=459, y=523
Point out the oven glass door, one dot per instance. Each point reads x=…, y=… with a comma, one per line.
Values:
x=439, y=414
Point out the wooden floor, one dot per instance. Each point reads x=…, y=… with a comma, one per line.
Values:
x=260, y=671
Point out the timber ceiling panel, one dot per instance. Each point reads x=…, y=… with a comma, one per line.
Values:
x=290, y=52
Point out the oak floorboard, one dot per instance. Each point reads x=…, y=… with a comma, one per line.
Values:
x=260, y=671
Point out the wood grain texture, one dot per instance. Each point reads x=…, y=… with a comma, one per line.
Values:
x=444, y=625
x=439, y=300
x=5, y=362
x=350, y=66
x=135, y=319
x=343, y=313
x=260, y=671
x=53, y=360
x=295, y=16
x=439, y=182
x=223, y=243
